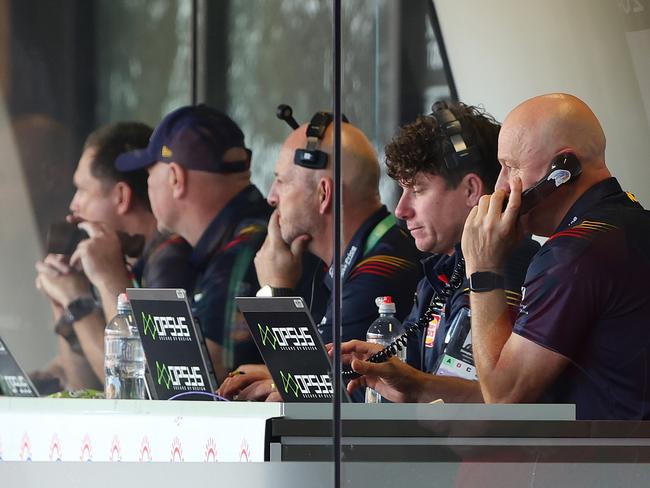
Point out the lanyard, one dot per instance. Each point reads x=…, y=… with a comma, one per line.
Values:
x=373, y=238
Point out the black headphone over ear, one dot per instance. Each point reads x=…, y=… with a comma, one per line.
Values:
x=310, y=157
x=459, y=152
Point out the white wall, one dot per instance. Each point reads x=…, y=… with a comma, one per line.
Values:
x=505, y=51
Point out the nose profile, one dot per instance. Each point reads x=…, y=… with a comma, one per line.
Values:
x=272, y=197
x=403, y=211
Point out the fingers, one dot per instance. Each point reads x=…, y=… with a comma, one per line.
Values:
x=511, y=213
x=483, y=205
x=299, y=245
x=257, y=391
x=77, y=256
x=274, y=397
x=243, y=377
x=58, y=263
x=496, y=205
x=274, y=226
x=92, y=228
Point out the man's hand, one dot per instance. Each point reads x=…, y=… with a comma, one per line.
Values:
x=60, y=282
x=392, y=379
x=277, y=263
x=490, y=233
x=248, y=382
x=101, y=258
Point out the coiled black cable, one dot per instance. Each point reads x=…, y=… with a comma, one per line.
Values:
x=437, y=303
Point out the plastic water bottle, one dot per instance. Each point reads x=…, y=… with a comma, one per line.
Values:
x=384, y=331
x=123, y=355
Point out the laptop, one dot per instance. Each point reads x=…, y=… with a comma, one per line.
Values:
x=13, y=380
x=285, y=334
x=177, y=359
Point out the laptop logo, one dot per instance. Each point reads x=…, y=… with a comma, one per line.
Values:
x=165, y=328
x=287, y=338
x=184, y=378
x=307, y=385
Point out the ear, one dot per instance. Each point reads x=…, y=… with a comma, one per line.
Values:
x=177, y=180
x=123, y=197
x=325, y=195
x=473, y=188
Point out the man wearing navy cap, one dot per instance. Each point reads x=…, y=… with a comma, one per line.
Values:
x=199, y=187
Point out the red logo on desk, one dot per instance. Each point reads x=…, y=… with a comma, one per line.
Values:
x=55, y=448
x=86, y=449
x=244, y=452
x=177, y=451
x=25, y=448
x=210, y=451
x=145, y=450
x=116, y=450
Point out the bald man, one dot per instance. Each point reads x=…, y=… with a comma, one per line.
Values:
x=199, y=187
x=582, y=335
x=379, y=258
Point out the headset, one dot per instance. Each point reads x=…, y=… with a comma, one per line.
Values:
x=457, y=152
x=310, y=157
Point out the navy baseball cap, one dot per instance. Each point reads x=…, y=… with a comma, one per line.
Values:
x=196, y=137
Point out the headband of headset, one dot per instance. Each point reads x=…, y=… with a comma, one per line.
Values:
x=459, y=153
x=310, y=157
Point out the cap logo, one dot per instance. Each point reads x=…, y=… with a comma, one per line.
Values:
x=166, y=152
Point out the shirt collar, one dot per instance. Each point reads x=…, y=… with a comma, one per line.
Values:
x=594, y=195
x=220, y=229
x=438, y=268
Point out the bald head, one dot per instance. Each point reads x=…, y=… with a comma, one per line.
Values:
x=541, y=127
x=534, y=133
x=360, y=166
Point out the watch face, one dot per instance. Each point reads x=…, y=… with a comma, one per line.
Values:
x=80, y=307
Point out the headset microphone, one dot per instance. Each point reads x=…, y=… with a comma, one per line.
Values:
x=285, y=112
x=310, y=157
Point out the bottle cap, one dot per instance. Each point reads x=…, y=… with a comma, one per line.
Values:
x=123, y=302
x=385, y=304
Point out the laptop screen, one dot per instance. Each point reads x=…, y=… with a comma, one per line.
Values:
x=286, y=336
x=173, y=346
x=13, y=380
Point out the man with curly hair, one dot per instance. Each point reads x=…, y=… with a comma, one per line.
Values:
x=444, y=163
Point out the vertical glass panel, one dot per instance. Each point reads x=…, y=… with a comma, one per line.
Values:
x=143, y=60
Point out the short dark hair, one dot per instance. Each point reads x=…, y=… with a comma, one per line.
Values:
x=109, y=142
x=421, y=145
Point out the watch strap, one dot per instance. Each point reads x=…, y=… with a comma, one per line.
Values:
x=483, y=281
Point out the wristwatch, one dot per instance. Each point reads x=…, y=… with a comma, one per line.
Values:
x=270, y=291
x=485, y=281
x=76, y=310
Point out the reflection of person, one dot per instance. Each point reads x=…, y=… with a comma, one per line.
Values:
x=582, y=332
x=437, y=197
x=106, y=201
x=380, y=258
x=199, y=186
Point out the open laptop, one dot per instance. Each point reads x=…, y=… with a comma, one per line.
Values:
x=291, y=346
x=13, y=380
x=173, y=345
